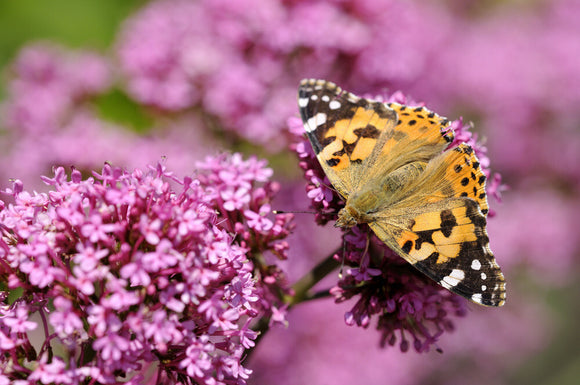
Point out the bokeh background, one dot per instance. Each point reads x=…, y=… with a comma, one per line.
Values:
x=130, y=82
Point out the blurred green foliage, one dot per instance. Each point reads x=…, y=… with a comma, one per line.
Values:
x=76, y=24
x=73, y=23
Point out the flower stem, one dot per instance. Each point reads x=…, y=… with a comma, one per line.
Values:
x=304, y=284
x=301, y=293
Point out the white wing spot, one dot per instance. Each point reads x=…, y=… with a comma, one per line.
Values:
x=483, y=276
x=302, y=102
x=483, y=288
x=334, y=105
x=476, y=297
x=314, y=97
x=315, y=121
x=453, y=278
x=325, y=98
x=457, y=274
x=445, y=284
x=475, y=264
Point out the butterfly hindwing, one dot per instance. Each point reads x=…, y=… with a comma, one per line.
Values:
x=453, y=173
x=465, y=177
x=438, y=224
x=448, y=242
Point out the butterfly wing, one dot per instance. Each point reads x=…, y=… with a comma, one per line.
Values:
x=343, y=130
x=357, y=141
x=438, y=225
x=418, y=136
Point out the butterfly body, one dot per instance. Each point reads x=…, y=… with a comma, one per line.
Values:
x=391, y=164
x=367, y=204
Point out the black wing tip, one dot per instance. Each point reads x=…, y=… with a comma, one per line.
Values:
x=494, y=296
x=497, y=300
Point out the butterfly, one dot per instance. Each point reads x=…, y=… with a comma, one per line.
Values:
x=392, y=166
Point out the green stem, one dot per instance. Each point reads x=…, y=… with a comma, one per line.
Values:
x=302, y=287
x=302, y=293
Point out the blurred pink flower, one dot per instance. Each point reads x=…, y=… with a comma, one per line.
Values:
x=48, y=82
x=487, y=345
x=241, y=61
x=535, y=231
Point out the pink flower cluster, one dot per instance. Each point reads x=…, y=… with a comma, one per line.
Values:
x=408, y=305
x=240, y=61
x=50, y=83
x=122, y=270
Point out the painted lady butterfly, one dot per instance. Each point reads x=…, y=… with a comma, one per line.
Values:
x=390, y=164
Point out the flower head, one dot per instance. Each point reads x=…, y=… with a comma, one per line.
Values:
x=140, y=267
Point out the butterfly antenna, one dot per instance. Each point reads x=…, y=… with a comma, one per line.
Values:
x=292, y=212
x=222, y=221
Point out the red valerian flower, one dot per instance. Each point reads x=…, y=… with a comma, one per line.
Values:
x=134, y=268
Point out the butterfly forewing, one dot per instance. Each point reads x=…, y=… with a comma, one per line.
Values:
x=343, y=129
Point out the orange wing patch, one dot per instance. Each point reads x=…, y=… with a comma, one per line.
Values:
x=418, y=125
x=350, y=140
x=466, y=177
x=438, y=234
x=451, y=246
x=343, y=130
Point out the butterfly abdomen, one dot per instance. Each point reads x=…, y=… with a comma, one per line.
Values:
x=401, y=177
